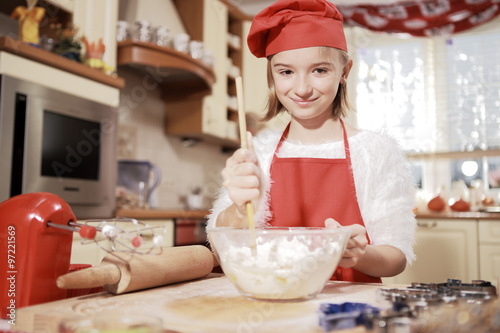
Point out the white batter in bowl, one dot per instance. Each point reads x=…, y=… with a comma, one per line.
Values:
x=278, y=263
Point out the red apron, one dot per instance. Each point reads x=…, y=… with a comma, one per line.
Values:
x=307, y=191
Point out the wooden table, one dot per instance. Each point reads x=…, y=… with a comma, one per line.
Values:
x=211, y=304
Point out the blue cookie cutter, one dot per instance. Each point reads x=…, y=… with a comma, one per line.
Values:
x=346, y=315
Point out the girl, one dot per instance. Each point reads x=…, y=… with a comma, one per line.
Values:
x=319, y=171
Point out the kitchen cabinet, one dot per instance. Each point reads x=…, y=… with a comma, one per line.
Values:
x=212, y=118
x=255, y=79
x=489, y=251
x=92, y=253
x=190, y=232
x=445, y=249
x=235, y=43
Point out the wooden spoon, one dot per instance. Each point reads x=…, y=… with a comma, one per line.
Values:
x=244, y=144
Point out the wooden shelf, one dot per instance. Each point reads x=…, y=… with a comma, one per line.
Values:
x=232, y=48
x=178, y=73
x=475, y=154
x=27, y=51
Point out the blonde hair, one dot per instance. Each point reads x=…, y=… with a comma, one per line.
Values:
x=340, y=104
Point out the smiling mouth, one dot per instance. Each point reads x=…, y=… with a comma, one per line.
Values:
x=302, y=102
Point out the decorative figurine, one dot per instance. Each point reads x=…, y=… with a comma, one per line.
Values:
x=94, y=53
x=29, y=19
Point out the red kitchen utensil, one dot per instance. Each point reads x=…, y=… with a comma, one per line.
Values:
x=33, y=254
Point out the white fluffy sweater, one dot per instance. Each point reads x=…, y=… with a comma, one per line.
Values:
x=384, y=185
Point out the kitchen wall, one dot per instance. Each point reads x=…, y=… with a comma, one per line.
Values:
x=141, y=137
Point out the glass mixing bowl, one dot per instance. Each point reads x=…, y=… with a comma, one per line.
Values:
x=278, y=263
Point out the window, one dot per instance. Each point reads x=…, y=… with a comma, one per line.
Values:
x=473, y=90
x=390, y=91
x=434, y=95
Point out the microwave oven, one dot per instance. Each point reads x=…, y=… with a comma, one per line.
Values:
x=60, y=143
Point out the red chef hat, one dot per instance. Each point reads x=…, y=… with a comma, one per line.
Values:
x=294, y=24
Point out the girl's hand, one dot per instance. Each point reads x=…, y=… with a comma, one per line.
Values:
x=242, y=176
x=356, y=245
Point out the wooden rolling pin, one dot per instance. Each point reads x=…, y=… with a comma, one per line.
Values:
x=142, y=271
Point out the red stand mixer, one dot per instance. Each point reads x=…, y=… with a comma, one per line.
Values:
x=33, y=253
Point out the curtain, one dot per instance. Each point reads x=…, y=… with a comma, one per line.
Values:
x=422, y=18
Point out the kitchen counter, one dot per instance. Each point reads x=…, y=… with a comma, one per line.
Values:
x=457, y=215
x=211, y=304
x=200, y=214
x=189, y=224
x=162, y=213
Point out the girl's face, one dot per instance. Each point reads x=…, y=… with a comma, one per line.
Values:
x=306, y=81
